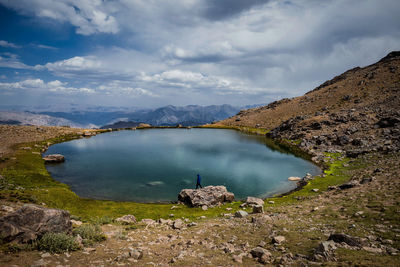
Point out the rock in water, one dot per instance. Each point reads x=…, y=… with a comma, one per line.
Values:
x=54, y=158
x=31, y=222
x=209, y=196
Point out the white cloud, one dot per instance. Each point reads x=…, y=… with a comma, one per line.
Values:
x=202, y=49
x=89, y=16
x=40, y=85
x=9, y=60
x=74, y=64
x=7, y=44
x=46, y=47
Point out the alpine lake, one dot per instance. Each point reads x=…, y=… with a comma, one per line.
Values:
x=154, y=165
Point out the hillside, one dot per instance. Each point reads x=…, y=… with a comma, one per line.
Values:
x=373, y=90
x=355, y=112
x=346, y=216
x=28, y=118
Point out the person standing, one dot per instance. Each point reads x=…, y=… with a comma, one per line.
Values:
x=198, y=183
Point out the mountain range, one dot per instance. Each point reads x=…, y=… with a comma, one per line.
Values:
x=99, y=117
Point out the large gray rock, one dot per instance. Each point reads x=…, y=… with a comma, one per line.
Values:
x=54, y=158
x=31, y=222
x=254, y=201
x=343, y=238
x=126, y=219
x=241, y=214
x=209, y=196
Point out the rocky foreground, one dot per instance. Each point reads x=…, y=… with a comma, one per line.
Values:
x=351, y=123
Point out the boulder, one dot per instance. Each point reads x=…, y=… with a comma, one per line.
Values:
x=31, y=222
x=261, y=254
x=254, y=201
x=294, y=178
x=278, y=239
x=54, y=158
x=258, y=209
x=208, y=196
x=348, y=185
x=343, y=238
x=126, y=219
x=325, y=251
x=241, y=214
x=178, y=224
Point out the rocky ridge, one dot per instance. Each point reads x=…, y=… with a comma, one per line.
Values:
x=353, y=223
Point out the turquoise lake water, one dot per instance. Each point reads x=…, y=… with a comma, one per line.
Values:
x=153, y=165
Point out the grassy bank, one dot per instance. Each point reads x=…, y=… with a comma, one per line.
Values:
x=27, y=180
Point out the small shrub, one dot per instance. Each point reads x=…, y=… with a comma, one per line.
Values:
x=103, y=220
x=57, y=243
x=89, y=233
x=121, y=235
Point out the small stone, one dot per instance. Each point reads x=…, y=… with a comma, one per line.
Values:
x=228, y=209
x=262, y=243
x=164, y=221
x=349, y=240
x=148, y=221
x=7, y=208
x=293, y=178
x=271, y=202
x=325, y=247
x=278, y=239
x=261, y=254
x=237, y=258
x=54, y=158
x=358, y=213
x=89, y=250
x=76, y=223
x=39, y=263
x=178, y=224
x=203, y=217
x=79, y=240
x=315, y=190
x=372, y=250
x=192, y=224
x=136, y=254
x=258, y=209
x=315, y=209
x=241, y=214
x=46, y=255
x=204, y=207
x=254, y=201
x=126, y=219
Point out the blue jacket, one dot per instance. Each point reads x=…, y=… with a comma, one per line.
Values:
x=198, y=179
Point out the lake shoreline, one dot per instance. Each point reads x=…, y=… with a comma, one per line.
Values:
x=274, y=192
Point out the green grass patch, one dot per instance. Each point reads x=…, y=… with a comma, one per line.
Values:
x=57, y=243
x=27, y=180
x=335, y=174
x=89, y=233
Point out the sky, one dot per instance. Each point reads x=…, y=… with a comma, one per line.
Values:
x=148, y=53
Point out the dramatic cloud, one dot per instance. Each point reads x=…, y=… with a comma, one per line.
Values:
x=88, y=16
x=204, y=51
x=40, y=85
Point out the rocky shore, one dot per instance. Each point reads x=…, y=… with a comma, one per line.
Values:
x=348, y=216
